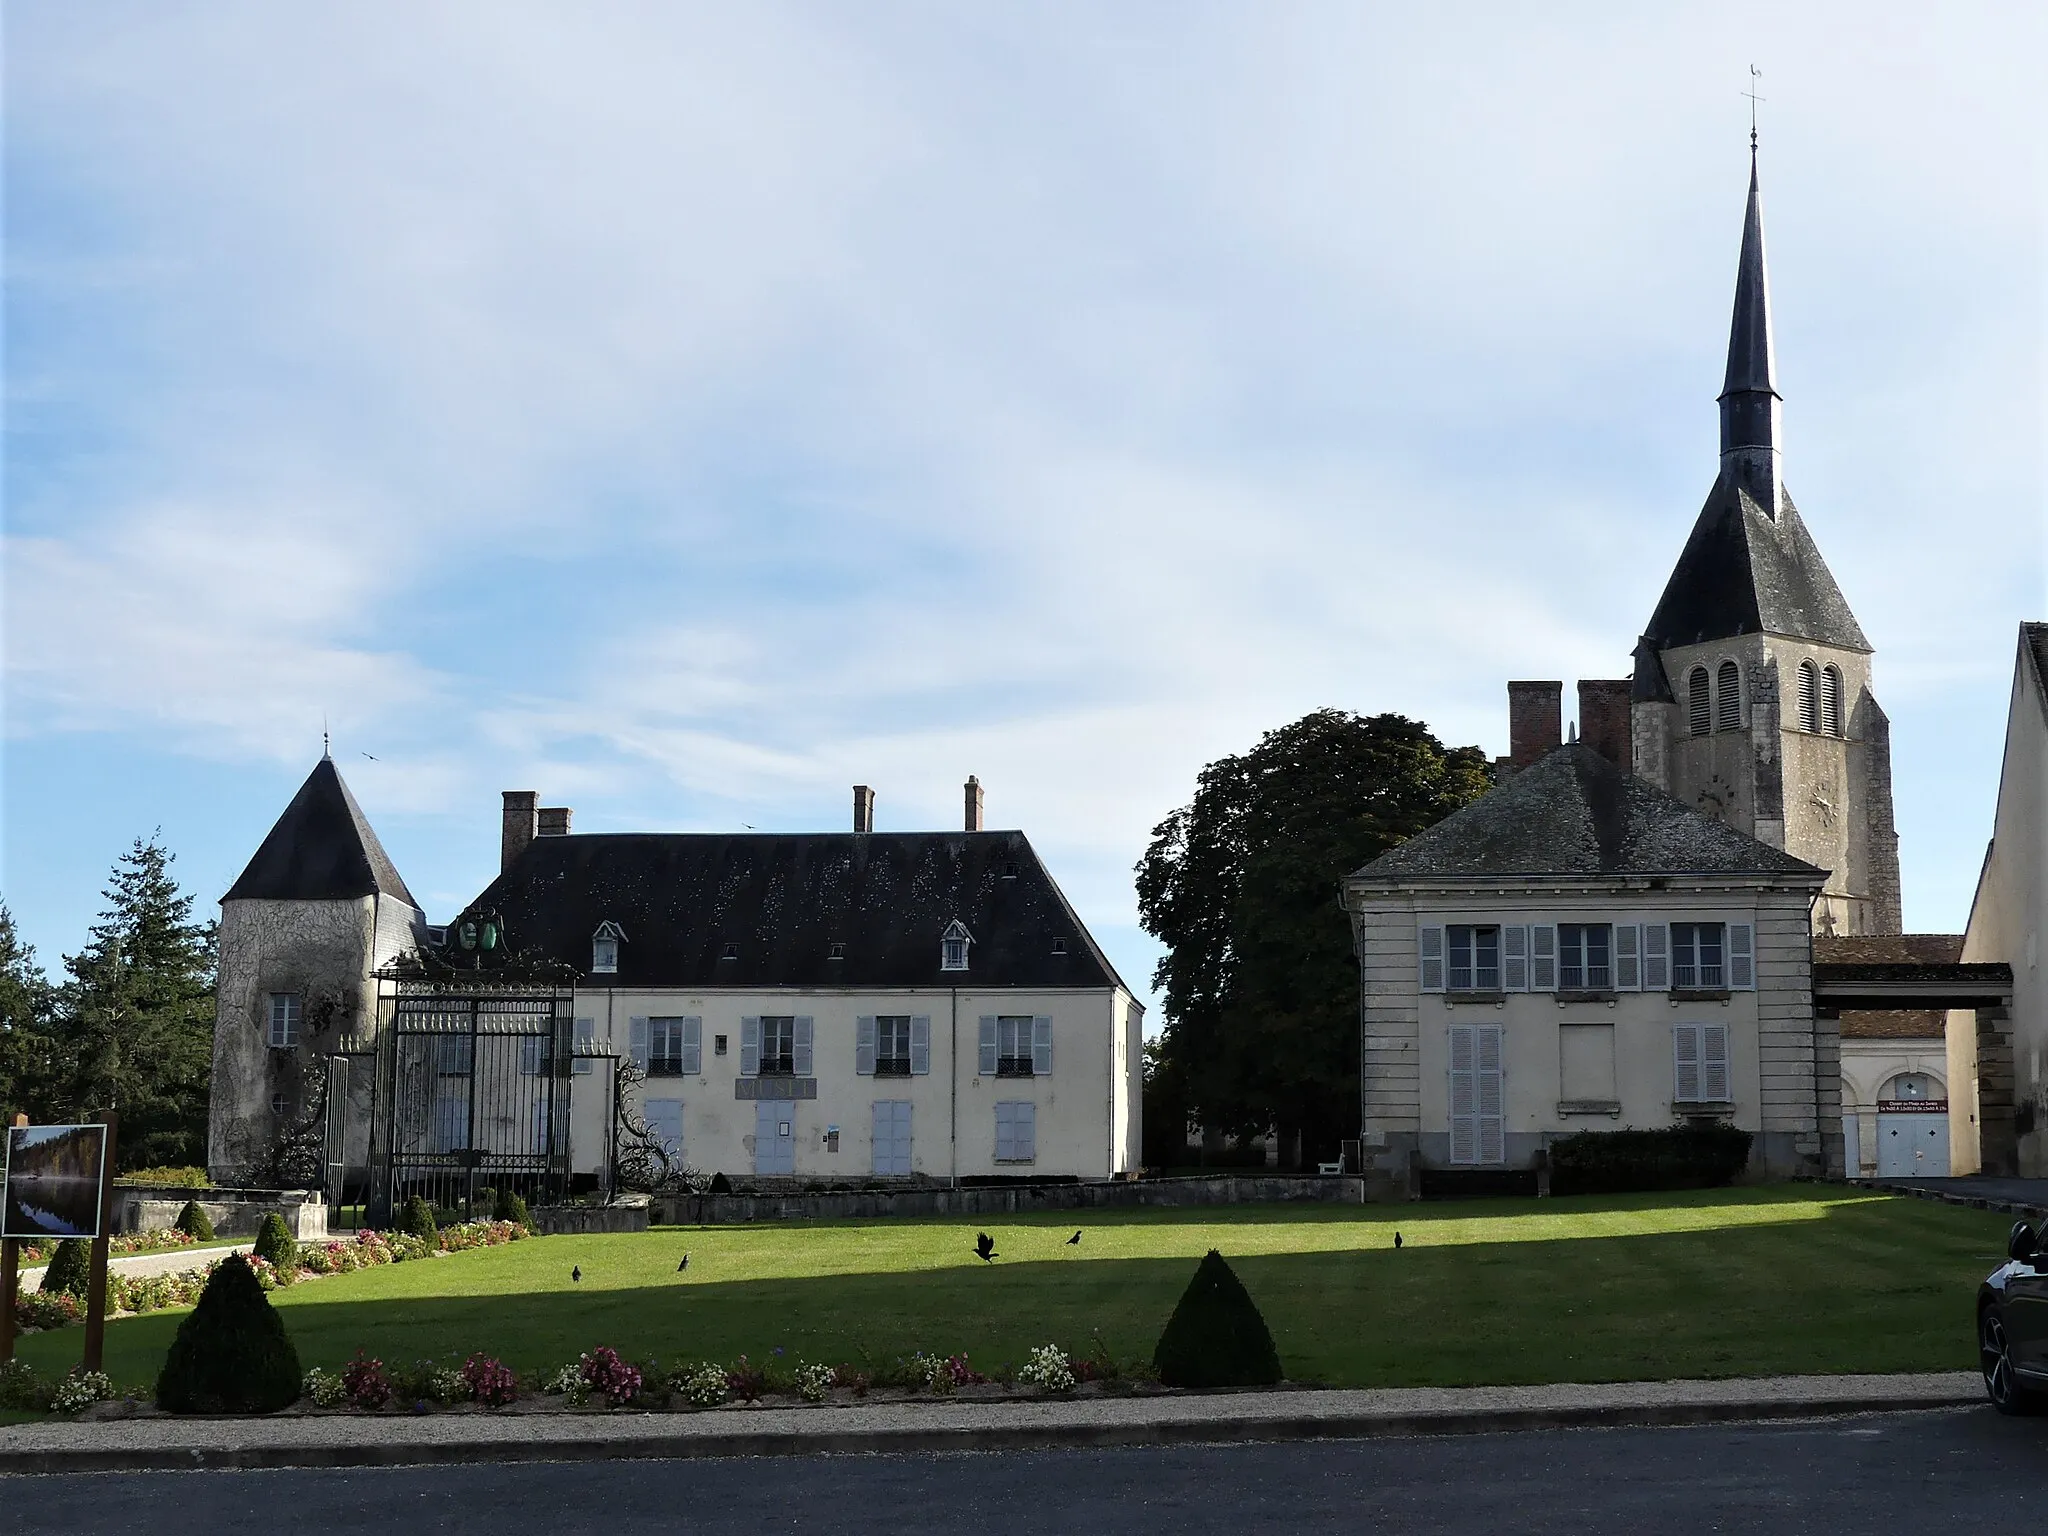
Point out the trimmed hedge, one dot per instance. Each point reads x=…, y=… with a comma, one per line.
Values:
x=275, y=1244
x=195, y=1223
x=70, y=1269
x=167, y=1178
x=1621, y=1162
x=1216, y=1337
x=231, y=1354
x=416, y=1219
x=509, y=1206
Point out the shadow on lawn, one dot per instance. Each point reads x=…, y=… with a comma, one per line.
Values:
x=1883, y=1285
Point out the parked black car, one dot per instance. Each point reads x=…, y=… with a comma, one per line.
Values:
x=2012, y=1325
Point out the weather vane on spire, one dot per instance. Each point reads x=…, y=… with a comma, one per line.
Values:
x=1755, y=75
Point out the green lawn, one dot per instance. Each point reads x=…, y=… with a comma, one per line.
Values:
x=1724, y=1283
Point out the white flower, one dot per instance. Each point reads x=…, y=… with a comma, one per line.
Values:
x=1048, y=1368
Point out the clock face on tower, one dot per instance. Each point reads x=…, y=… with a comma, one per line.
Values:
x=1717, y=797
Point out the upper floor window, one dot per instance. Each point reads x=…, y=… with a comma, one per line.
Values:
x=953, y=946
x=284, y=1020
x=1699, y=702
x=1474, y=957
x=892, y=1045
x=674, y=1047
x=1831, y=700
x=604, y=949
x=1696, y=957
x=778, y=1047
x=1584, y=957
x=1728, y=698
x=1013, y=1046
x=1809, y=696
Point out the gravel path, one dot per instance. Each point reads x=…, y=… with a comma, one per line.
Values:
x=167, y=1262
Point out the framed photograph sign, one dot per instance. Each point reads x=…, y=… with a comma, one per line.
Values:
x=53, y=1181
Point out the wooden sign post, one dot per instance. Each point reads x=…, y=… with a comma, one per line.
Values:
x=96, y=1291
x=10, y=1281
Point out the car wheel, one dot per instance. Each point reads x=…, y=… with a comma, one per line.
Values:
x=1994, y=1354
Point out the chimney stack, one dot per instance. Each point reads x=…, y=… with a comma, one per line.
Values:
x=521, y=816
x=1535, y=721
x=863, y=808
x=554, y=821
x=973, y=803
x=1604, y=714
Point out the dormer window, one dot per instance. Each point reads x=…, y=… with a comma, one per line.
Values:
x=1059, y=946
x=953, y=946
x=604, y=949
x=836, y=952
x=731, y=952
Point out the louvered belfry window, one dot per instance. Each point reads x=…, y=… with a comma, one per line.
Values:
x=1728, y=698
x=1831, y=701
x=1699, y=703
x=1809, y=696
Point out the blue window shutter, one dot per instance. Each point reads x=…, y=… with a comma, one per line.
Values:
x=1041, y=1047
x=920, y=1046
x=1514, y=958
x=802, y=1063
x=750, y=1047
x=1543, y=957
x=1431, y=938
x=665, y=1124
x=693, y=1047
x=639, y=1043
x=1025, y=1134
x=1741, y=958
x=1656, y=957
x=1628, y=957
x=1005, y=1136
x=864, y=1045
x=988, y=1045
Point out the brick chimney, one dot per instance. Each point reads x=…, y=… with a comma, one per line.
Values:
x=863, y=808
x=1535, y=721
x=1604, y=719
x=521, y=815
x=554, y=821
x=973, y=803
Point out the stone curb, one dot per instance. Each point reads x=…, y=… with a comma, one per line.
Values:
x=1949, y=1197
x=1226, y=1418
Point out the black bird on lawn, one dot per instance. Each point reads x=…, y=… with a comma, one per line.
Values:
x=1073, y=1240
x=684, y=1265
x=1397, y=1239
x=984, y=1247
x=576, y=1273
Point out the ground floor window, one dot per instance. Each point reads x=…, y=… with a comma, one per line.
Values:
x=1016, y=1131
x=1700, y=1063
x=1477, y=1118
x=892, y=1136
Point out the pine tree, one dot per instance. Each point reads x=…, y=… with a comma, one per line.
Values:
x=28, y=1052
x=135, y=1016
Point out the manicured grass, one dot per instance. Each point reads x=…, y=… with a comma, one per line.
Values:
x=1795, y=1279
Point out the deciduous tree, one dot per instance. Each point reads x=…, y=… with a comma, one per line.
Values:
x=1241, y=885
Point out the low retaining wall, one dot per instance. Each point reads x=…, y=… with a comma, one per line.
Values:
x=233, y=1212
x=552, y=1220
x=999, y=1200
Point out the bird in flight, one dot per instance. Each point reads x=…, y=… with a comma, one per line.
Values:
x=1397, y=1239
x=576, y=1274
x=984, y=1247
x=1074, y=1239
x=684, y=1265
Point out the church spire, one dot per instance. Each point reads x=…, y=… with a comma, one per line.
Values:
x=1751, y=429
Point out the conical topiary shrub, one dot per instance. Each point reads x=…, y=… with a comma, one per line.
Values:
x=70, y=1268
x=416, y=1219
x=231, y=1354
x=275, y=1244
x=195, y=1223
x=1216, y=1337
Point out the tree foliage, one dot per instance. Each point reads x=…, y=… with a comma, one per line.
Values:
x=1241, y=885
x=29, y=1055
x=134, y=1016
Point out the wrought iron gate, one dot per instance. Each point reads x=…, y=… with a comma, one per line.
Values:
x=473, y=1093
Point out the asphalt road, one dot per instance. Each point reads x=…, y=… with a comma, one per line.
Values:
x=1961, y=1470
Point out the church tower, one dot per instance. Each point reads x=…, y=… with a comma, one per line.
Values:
x=1752, y=691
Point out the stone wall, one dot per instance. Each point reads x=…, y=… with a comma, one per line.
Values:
x=233, y=1212
x=1001, y=1200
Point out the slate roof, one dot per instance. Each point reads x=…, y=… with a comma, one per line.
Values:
x=1889, y=949
x=1893, y=1023
x=321, y=849
x=1751, y=357
x=1572, y=812
x=1743, y=572
x=784, y=899
x=2034, y=637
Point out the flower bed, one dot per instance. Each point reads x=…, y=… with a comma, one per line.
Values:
x=36, y=1310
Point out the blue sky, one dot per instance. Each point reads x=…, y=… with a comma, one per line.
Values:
x=691, y=411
